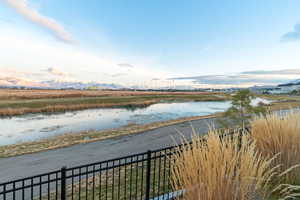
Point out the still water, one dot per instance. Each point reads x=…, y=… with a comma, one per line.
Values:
x=32, y=127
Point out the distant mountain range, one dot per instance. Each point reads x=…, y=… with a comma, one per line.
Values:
x=52, y=84
x=81, y=85
x=12, y=82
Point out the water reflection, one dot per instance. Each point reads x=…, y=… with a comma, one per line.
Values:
x=37, y=126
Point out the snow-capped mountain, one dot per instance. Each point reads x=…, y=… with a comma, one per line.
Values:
x=53, y=84
x=80, y=85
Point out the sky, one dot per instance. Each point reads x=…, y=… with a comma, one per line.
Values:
x=207, y=43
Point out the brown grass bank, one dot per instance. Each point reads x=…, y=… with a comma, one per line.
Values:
x=18, y=102
x=8, y=112
x=15, y=94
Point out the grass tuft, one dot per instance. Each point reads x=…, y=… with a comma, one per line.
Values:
x=222, y=169
x=279, y=135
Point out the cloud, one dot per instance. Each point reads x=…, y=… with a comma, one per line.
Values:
x=275, y=72
x=79, y=63
x=32, y=76
x=22, y=7
x=244, y=79
x=17, y=81
x=12, y=77
x=56, y=72
x=125, y=65
x=118, y=75
x=293, y=35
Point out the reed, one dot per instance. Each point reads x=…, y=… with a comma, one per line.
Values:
x=18, y=102
x=222, y=169
x=279, y=135
x=23, y=94
x=7, y=112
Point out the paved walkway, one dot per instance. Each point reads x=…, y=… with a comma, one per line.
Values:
x=36, y=163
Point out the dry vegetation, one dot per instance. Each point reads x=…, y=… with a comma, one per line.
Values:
x=264, y=164
x=280, y=136
x=282, y=102
x=18, y=102
x=63, y=108
x=13, y=94
x=222, y=170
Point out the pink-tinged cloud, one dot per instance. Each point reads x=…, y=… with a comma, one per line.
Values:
x=15, y=81
x=22, y=7
x=56, y=72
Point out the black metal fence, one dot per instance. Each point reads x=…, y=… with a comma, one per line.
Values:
x=139, y=176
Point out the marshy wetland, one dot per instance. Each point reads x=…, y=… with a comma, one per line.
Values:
x=37, y=120
x=32, y=127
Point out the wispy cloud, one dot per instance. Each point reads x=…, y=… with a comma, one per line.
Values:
x=249, y=78
x=118, y=75
x=23, y=8
x=56, y=72
x=275, y=72
x=125, y=65
x=11, y=77
x=292, y=35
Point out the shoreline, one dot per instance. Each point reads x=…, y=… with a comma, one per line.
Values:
x=11, y=111
x=73, y=138
x=70, y=139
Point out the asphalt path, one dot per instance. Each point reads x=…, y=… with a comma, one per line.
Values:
x=42, y=162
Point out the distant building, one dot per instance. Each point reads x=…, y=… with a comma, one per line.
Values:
x=280, y=89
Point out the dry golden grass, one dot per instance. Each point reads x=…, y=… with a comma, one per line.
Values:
x=222, y=169
x=18, y=102
x=279, y=135
x=70, y=107
x=44, y=94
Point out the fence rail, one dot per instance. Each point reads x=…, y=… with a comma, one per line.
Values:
x=139, y=176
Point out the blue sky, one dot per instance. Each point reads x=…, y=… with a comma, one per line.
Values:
x=134, y=41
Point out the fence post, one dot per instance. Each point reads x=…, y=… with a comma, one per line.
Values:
x=148, y=175
x=63, y=183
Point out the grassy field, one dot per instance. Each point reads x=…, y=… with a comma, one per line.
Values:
x=18, y=102
x=282, y=102
x=15, y=94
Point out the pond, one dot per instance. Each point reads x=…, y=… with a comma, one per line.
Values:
x=32, y=127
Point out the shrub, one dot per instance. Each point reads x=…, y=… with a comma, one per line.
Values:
x=241, y=110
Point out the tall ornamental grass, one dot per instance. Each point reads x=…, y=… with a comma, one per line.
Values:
x=222, y=169
x=279, y=135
